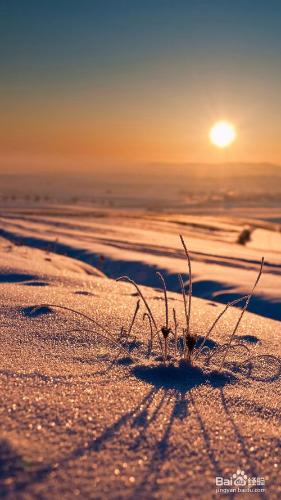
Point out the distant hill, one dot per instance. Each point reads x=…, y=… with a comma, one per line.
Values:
x=158, y=184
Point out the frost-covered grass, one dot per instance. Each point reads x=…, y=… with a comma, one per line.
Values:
x=176, y=343
x=187, y=347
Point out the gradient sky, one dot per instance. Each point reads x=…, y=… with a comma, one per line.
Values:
x=87, y=82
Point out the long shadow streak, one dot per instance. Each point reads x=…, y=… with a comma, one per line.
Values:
x=41, y=473
x=240, y=439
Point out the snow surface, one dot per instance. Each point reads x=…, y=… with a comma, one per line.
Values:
x=137, y=243
x=75, y=425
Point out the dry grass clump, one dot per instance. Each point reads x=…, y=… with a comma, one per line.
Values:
x=187, y=347
x=176, y=344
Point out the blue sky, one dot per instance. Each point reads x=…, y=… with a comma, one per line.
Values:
x=118, y=67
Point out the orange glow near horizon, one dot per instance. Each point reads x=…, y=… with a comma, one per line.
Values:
x=79, y=134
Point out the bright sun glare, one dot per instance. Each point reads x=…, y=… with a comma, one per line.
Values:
x=222, y=134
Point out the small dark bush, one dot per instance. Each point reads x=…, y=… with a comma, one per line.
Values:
x=244, y=236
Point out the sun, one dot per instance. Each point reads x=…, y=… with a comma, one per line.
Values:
x=222, y=134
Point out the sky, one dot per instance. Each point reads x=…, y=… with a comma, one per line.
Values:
x=95, y=82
